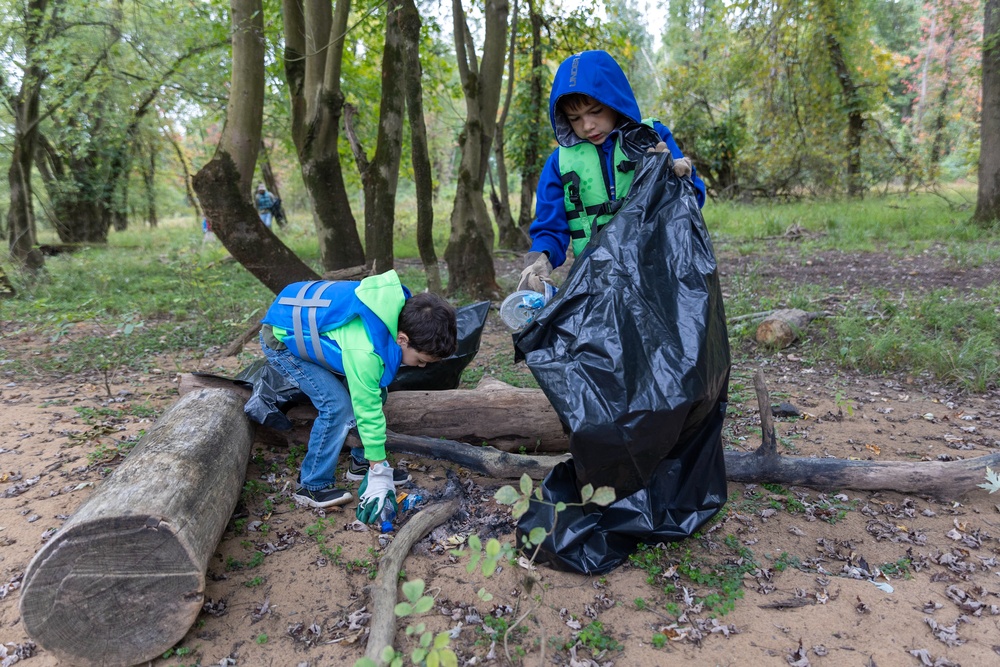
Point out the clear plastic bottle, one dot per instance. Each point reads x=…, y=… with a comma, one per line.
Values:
x=386, y=517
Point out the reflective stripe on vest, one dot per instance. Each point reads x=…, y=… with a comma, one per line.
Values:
x=588, y=203
x=310, y=304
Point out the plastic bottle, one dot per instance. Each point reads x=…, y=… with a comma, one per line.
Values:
x=409, y=502
x=386, y=517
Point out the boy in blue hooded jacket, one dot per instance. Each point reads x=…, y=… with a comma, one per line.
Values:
x=342, y=344
x=583, y=178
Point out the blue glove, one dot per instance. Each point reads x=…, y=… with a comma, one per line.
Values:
x=377, y=489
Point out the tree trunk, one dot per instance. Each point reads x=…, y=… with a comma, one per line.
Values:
x=223, y=185
x=988, y=198
x=531, y=170
x=470, y=247
x=381, y=175
x=266, y=172
x=850, y=99
x=124, y=578
x=422, y=176
x=940, y=119
x=149, y=181
x=314, y=46
x=21, y=215
x=511, y=237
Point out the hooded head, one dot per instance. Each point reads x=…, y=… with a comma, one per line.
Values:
x=261, y=188
x=597, y=75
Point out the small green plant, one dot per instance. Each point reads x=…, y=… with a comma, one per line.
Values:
x=261, y=639
x=593, y=637
x=255, y=582
x=640, y=604
x=659, y=640
x=899, y=569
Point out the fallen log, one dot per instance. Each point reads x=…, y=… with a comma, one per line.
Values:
x=781, y=328
x=483, y=414
x=124, y=578
x=951, y=479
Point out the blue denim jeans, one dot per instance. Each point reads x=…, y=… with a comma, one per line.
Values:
x=329, y=395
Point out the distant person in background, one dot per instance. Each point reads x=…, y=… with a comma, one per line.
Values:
x=265, y=205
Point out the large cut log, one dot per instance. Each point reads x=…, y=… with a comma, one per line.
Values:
x=781, y=328
x=952, y=479
x=124, y=578
x=508, y=418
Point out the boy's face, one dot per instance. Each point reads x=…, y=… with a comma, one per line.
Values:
x=410, y=356
x=591, y=120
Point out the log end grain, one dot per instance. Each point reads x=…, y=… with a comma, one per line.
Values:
x=89, y=592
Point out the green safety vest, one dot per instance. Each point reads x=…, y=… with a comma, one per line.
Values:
x=586, y=197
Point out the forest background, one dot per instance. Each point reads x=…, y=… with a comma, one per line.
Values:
x=113, y=110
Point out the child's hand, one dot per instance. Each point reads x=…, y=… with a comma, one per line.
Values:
x=658, y=148
x=376, y=490
x=536, y=273
x=682, y=167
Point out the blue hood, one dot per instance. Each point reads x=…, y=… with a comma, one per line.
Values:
x=593, y=73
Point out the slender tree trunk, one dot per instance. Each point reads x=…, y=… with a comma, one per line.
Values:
x=470, y=247
x=988, y=199
x=532, y=169
x=223, y=185
x=266, y=172
x=149, y=181
x=852, y=103
x=21, y=214
x=314, y=44
x=186, y=169
x=511, y=237
x=940, y=120
x=381, y=175
x=422, y=175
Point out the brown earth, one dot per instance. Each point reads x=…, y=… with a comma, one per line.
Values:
x=847, y=578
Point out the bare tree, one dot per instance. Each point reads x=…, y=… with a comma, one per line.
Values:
x=988, y=199
x=470, y=247
x=511, y=237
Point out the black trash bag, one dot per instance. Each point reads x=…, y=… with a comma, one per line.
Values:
x=278, y=211
x=447, y=373
x=272, y=395
x=633, y=354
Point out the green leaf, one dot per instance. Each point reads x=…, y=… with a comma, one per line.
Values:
x=537, y=535
x=493, y=547
x=474, y=542
x=506, y=495
x=432, y=659
x=403, y=609
x=423, y=605
x=604, y=496
x=418, y=655
x=425, y=640
x=448, y=658
x=367, y=662
x=519, y=508
x=388, y=653
x=586, y=492
x=560, y=506
x=442, y=640
x=489, y=567
x=484, y=595
x=526, y=484
x=413, y=589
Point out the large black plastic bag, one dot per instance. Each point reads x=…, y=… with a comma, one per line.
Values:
x=447, y=373
x=633, y=354
x=272, y=395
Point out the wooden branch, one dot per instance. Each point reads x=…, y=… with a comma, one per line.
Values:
x=360, y=157
x=382, y=631
x=781, y=328
x=124, y=578
x=486, y=460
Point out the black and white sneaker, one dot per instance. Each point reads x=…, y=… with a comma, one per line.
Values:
x=327, y=497
x=357, y=471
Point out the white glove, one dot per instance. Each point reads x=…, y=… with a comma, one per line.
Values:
x=536, y=273
x=682, y=166
x=377, y=489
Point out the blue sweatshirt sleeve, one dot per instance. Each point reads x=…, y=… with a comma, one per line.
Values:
x=675, y=150
x=550, y=230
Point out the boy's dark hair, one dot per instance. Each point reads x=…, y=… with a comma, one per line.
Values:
x=429, y=322
x=573, y=100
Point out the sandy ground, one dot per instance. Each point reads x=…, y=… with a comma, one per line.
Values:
x=842, y=578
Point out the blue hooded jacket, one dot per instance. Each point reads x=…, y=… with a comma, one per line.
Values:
x=598, y=75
